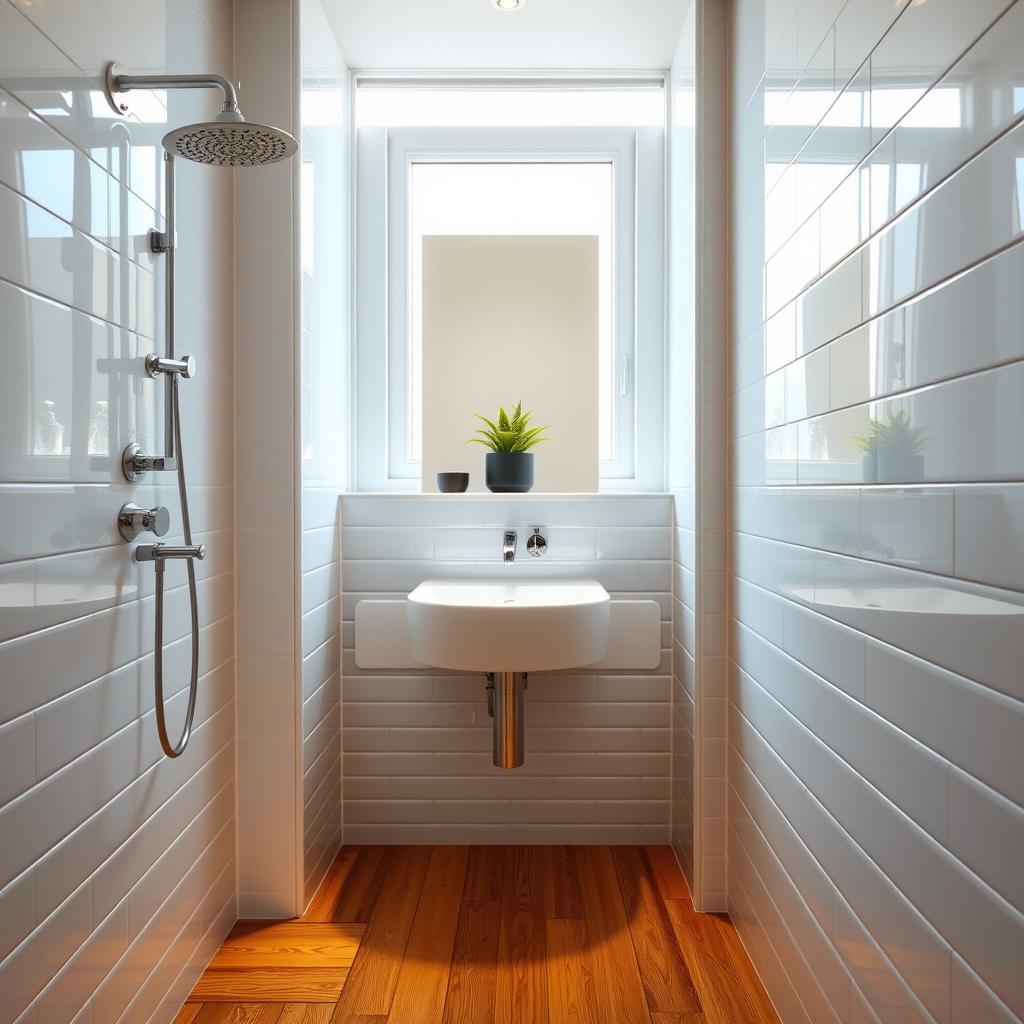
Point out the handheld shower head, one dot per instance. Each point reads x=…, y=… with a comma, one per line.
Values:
x=230, y=143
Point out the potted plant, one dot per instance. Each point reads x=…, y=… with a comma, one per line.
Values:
x=509, y=463
x=893, y=449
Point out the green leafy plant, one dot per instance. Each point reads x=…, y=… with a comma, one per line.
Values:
x=510, y=433
x=894, y=435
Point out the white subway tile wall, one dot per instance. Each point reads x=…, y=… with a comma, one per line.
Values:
x=117, y=865
x=876, y=696
x=323, y=245
x=417, y=745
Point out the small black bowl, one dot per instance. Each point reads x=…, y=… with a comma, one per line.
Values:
x=452, y=483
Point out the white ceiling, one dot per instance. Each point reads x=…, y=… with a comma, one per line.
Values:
x=471, y=34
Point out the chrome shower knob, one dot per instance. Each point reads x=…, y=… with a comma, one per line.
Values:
x=184, y=367
x=133, y=520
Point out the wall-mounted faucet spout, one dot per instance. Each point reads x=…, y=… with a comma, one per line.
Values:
x=508, y=547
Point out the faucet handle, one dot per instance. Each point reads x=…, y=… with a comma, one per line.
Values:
x=537, y=545
x=133, y=520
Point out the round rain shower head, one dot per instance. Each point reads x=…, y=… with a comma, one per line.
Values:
x=230, y=143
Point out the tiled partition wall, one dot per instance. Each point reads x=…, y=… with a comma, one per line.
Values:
x=270, y=858
x=682, y=431
x=876, y=767
x=418, y=744
x=117, y=865
x=698, y=448
x=324, y=267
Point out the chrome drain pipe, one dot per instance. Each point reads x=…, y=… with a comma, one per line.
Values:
x=505, y=703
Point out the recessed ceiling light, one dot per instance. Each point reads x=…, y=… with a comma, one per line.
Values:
x=507, y=5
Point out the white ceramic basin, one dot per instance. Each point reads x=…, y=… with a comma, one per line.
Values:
x=493, y=626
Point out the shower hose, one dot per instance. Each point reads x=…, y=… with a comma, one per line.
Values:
x=176, y=749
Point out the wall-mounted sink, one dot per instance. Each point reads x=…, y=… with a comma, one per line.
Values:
x=507, y=630
x=489, y=626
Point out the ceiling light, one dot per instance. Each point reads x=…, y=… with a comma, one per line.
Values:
x=507, y=5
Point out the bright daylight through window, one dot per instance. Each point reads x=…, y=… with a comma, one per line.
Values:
x=516, y=159
x=513, y=199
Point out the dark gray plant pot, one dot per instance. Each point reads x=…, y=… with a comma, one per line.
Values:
x=893, y=467
x=509, y=472
x=452, y=483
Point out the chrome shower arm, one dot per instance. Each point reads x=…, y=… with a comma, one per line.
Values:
x=118, y=82
x=125, y=83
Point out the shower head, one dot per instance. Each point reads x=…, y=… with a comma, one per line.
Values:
x=230, y=143
x=228, y=140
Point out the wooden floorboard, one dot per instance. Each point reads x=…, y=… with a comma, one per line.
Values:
x=521, y=986
x=306, y=1013
x=374, y=974
x=324, y=904
x=362, y=885
x=423, y=978
x=239, y=1013
x=473, y=979
x=562, y=899
x=270, y=984
x=289, y=944
x=663, y=971
x=485, y=873
x=572, y=998
x=729, y=990
x=671, y=883
x=620, y=991
x=488, y=935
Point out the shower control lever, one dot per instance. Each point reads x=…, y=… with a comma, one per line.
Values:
x=161, y=552
x=133, y=520
x=135, y=463
x=184, y=367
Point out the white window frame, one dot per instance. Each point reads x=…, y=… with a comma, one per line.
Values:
x=384, y=158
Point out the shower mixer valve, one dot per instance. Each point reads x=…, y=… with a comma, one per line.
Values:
x=133, y=520
x=229, y=141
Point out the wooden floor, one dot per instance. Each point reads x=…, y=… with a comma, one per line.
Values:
x=482, y=934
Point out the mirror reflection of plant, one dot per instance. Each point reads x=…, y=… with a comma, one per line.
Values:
x=892, y=435
x=509, y=434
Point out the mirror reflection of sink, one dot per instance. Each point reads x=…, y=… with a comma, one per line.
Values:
x=28, y=605
x=80, y=597
x=492, y=625
x=914, y=602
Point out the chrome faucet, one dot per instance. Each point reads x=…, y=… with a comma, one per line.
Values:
x=508, y=547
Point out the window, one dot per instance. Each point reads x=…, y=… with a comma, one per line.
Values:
x=605, y=181
x=383, y=104
x=513, y=199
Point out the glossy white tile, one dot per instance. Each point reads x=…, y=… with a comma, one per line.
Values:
x=892, y=351
x=989, y=535
x=79, y=192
